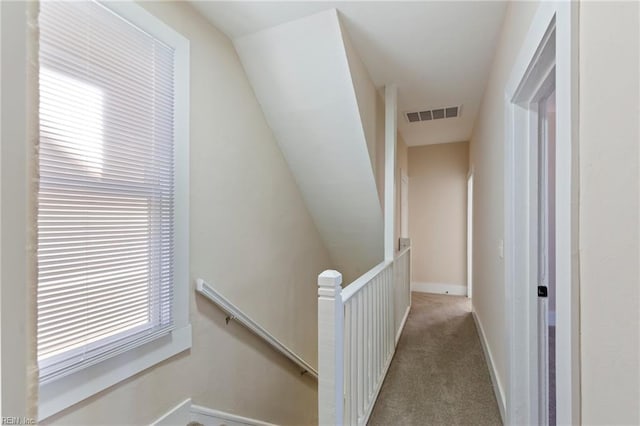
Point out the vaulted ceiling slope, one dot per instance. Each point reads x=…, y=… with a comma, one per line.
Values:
x=301, y=75
x=437, y=52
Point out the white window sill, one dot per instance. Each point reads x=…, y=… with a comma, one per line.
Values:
x=69, y=390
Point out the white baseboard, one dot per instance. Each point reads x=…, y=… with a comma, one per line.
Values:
x=211, y=417
x=497, y=388
x=439, y=288
x=178, y=415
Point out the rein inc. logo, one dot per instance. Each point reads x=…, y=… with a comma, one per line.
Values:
x=18, y=420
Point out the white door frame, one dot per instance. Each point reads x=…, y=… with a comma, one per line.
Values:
x=540, y=201
x=470, y=234
x=532, y=64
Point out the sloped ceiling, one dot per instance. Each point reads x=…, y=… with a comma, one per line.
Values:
x=438, y=53
x=302, y=79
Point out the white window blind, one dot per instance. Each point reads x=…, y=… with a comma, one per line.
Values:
x=106, y=188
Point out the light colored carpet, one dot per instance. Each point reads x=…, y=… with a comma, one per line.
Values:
x=438, y=375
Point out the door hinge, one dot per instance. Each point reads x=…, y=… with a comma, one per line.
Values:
x=542, y=291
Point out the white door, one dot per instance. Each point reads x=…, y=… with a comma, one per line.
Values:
x=546, y=258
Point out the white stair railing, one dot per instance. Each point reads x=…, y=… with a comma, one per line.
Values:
x=402, y=281
x=358, y=329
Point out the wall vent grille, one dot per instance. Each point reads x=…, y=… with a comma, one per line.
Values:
x=433, y=114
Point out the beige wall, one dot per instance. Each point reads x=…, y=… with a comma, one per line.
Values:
x=437, y=212
x=487, y=161
x=609, y=223
x=251, y=237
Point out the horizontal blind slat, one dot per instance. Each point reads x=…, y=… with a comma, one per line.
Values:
x=90, y=324
x=91, y=290
x=105, y=218
x=65, y=339
x=126, y=306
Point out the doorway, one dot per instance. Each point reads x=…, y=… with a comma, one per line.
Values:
x=546, y=242
x=540, y=234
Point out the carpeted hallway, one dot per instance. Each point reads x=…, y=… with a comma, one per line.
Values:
x=438, y=375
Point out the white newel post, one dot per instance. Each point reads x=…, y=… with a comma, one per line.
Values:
x=330, y=348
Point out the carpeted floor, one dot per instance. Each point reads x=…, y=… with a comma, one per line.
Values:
x=438, y=375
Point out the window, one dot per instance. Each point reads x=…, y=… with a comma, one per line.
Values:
x=112, y=204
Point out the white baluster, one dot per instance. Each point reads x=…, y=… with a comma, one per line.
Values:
x=369, y=343
x=353, y=396
x=376, y=321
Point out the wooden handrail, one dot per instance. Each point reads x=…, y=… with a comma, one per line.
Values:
x=234, y=313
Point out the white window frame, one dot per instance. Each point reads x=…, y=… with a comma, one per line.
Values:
x=69, y=390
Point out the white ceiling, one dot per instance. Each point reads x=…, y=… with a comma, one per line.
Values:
x=438, y=53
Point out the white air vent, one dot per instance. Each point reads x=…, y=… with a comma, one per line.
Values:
x=434, y=114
